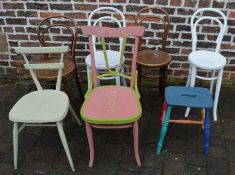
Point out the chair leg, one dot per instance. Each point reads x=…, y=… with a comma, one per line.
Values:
x=117, y=79
x=66, y=90
x=217, y=92
x=98, y=80
x=203, y=117
x=79, y=86
x=189, y=77
x=66, y=87
x=90, y=142
x=164, y=129
x=88, y=76
x=15, y=143
x=136, y=142
x=74, y=114
x=164, y=108
x=118, y=82
x=123, y=79
x=65, y=144
x=192, y=83
x=212, y=81
x=162, y=81
x=206, y=131
x=139, y=77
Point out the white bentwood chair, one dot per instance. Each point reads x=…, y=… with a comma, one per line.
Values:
x=112, y=54
x=42, y=107
x=212, y=61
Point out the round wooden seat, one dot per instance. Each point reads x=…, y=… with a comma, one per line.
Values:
x=52, y=74
x=153, y=58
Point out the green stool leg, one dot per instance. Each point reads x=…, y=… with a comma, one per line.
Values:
x=164, y=129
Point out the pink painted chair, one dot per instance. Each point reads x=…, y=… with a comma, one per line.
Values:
x=112, y=107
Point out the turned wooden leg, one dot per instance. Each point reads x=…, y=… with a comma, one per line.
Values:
x=164, y=129
x=162, y=81
x=79, y=86
x=206, y=131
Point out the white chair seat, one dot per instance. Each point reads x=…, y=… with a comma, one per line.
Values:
x=40, y=107
x=113, y=59
x=207, y=59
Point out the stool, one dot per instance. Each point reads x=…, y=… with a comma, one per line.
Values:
x=194, y=97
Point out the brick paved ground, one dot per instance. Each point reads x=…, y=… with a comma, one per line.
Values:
x=41, y=152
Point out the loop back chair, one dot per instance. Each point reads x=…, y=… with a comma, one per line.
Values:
x=154, y=58
x=67, y=26
x=112, y=107
x=41, y=107
x=208, y=60
x=115, y=55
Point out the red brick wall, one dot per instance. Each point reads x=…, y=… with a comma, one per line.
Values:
x=19, y=20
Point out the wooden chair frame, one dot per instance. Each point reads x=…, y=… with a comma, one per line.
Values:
x=73, y=30
x=163, y=67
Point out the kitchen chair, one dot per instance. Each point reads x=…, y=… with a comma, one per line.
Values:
x=212, y=61
x=115, y=55
x=66, y=30
x=154, y=58
x=41, y=107
x=112, y=107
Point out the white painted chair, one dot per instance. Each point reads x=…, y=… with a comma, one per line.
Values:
x=42, y=107
x=114, y=56
x=212, y=61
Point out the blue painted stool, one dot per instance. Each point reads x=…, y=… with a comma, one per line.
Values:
x=194, y=97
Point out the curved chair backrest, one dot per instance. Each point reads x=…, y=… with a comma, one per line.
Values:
x=103, y=18
x=55, y=22
x=43, y=50
x=222, y=26
x=108, y=32
x=165, y=20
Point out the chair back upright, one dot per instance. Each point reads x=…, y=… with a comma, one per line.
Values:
x=100, y=20
x=27, y=51
x=64, y=27
x=108, y=32
x=194, y=25
x=162, y=16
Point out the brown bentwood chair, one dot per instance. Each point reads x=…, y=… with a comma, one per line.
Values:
x=68, y=27
x=154, y=58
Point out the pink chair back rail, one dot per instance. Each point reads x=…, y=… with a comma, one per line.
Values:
x=108, y=32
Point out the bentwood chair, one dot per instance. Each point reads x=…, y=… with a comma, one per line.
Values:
x=65, y=30
x=157, y=59
x=112, y=107
x=41, y=107
x=211, y=61
x=115, y=55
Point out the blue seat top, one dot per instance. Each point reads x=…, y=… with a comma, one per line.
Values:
x=196, y=97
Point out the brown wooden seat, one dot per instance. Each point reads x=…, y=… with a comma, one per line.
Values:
x=50, y=75
x=154, y=58
x=58, y=25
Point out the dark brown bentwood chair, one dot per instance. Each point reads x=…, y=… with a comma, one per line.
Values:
x=66, y=25
x=154, y=58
